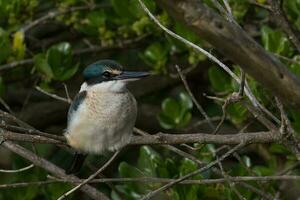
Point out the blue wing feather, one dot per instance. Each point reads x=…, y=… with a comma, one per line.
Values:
x=75, y=104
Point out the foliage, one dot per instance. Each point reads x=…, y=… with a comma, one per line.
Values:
x=61, y=46
x=176, y=112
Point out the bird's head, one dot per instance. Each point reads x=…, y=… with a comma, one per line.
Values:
x=108, y=70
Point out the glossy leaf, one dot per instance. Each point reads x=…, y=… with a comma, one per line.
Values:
x=42, y=66
x=275, y=41
x=219, y=80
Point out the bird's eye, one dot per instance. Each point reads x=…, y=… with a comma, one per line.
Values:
x=106, y=74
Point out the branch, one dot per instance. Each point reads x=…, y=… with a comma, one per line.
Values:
x=50, y=167
x=237, y=45
x=165, y=138
x=236, y=179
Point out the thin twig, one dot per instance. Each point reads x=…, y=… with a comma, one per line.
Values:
x=54, y=96
x=266, y=7
x=67, y=92
x=230, y=183
x=6, y=106
x=16, y=170
x=236, y=179
x=90, y=178
x=199, y=107
x=167, y=186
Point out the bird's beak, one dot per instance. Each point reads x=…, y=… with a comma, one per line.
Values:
x=131, y=76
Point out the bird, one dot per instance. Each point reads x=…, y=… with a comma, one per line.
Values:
x=102, y=115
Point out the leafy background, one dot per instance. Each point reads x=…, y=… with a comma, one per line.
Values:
x=57, y=50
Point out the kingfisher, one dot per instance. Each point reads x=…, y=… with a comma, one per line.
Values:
x=102, y=115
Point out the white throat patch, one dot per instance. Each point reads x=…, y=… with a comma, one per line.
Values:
x=107, y=86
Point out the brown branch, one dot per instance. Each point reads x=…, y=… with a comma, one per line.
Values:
x=237, y=45
x=236, y=179
x=22, y=130
x=12, y=136
x=50, y=167
x=165, y=138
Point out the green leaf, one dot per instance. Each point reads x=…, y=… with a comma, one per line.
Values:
x=278, y=149
x=68, y=73
x=129, y=171
x=156, y=55
x=122, y=8
x=42, y=66
x=19, y=45
x=185, y=120
x=175, y=112
x=59, y=58
x=185, y=101
x=151, y=163
x=219, y=80
x=295, y=67
x=93, y=22
x=59, y=55
x=237, y=113
x=165, y=121
x=275, y=41
x=183, y=31
x=5, y=48
x=171, y=108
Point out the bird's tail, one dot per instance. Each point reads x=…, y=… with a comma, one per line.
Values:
x=76, y=163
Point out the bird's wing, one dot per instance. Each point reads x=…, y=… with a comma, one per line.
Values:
x=75, y=104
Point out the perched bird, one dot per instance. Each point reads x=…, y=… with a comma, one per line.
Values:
x=102, y=116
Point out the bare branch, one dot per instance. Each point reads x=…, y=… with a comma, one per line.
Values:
x=54, y=96
x=29, y=131
x=165, y=138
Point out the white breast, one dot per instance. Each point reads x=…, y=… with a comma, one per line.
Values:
x=105, y=119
